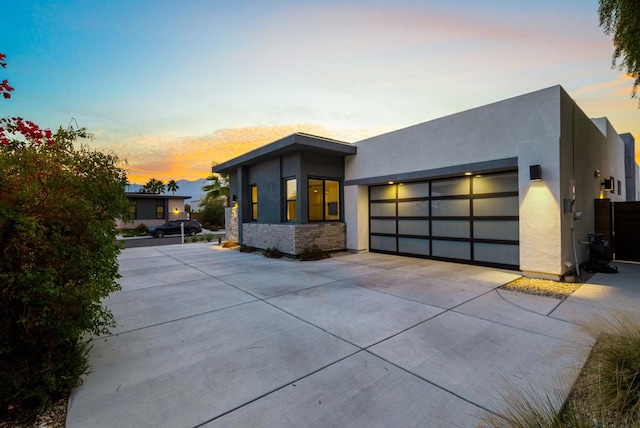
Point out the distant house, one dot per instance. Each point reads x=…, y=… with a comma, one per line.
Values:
x=153, y=209
x=511, y=184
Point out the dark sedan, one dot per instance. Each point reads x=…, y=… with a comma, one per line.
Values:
x=191, y=227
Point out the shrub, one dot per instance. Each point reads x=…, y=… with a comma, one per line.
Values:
x=313, y=253
x=246, y=248
x=140, y=229
x=272, y=253
x=58, y=203
x=209, y=237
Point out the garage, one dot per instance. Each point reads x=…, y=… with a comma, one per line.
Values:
x=471, y=219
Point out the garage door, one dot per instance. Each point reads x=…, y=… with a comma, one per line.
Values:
x=473, y=219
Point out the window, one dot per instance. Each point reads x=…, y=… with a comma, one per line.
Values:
x=133, y=204
x=160, y=209
x=291, y=189
x=619, y=188
x=324, y=200
x=254, y=202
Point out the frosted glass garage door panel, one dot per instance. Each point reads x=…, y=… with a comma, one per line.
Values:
x=413, y=227
x=383, y=192
x=456, y=186
x=383, y=226
x=496, y=206
x=383, y=243
x=497, y=183
x=413, y=190
x=451, y=228
x=451, y=249
x=382, y=209
x=497, y=253
x=451, y=208
x=508, y=230
x=413, y=209
x=413, y=246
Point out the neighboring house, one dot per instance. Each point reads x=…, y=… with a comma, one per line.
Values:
x=510, y=184
x=152, y=209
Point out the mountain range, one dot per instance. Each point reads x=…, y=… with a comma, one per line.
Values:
x=185, y=188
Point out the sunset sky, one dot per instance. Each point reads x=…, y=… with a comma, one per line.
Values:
x=174, y=86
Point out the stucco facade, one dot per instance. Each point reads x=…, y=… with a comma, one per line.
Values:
x=537, y=226
x=153, y=209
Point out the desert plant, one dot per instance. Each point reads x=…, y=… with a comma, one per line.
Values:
x=313, y=253
x=606, y=394
x=272, y=253
x=209, y=237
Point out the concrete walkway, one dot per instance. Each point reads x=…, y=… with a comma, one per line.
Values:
x=217, y=338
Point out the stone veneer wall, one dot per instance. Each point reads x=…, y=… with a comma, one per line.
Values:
x=231, y=223
x=293, y=238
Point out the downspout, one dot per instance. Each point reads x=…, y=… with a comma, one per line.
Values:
x=573, y=188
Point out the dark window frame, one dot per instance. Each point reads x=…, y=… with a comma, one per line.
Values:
x=287, y=200
x=324, y=203
x=160, y=209
x=254, y=203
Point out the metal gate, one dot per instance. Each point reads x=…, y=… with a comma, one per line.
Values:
x=619, y=222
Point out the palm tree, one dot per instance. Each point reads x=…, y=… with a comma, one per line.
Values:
x=159, y=187
x=172, y=186
x=219, y=186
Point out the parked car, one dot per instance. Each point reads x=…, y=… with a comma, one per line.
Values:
x=191, y=227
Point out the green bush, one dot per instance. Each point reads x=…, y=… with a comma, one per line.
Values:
x=313, y=253
x=212, y=212
x=209, y=237
x=58, y=203
x=272, y=253
x=140, y=229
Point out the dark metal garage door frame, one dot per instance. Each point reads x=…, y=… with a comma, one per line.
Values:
x=430, y=218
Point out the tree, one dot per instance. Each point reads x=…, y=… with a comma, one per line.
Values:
x=153, y=186
x=58, y=205
x=218, y=186
x=622, y=19
x=172, y=186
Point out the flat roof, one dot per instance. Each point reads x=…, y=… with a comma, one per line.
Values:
x=153, y=196
x=292, y=143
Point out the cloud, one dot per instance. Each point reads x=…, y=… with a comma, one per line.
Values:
x=170, y=156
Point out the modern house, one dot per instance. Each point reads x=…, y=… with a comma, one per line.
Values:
x=510, y=184
x=152, y=209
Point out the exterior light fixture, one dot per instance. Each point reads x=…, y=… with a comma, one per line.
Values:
x=234, y=198
x=608, y=184
x=390, y=182
x=535, y=172
x=468, y=173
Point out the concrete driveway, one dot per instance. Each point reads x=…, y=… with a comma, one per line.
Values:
x=217, y=338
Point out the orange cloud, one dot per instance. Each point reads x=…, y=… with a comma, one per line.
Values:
x=167, y=157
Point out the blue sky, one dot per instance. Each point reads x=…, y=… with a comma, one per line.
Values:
x=175, y=86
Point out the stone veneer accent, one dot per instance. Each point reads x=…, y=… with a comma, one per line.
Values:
x=231, y=223
x=292, y=239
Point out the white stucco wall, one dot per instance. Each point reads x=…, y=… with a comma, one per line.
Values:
x=541, y=128
x=526, y=127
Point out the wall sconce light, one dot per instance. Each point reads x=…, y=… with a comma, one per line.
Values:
x=608, y=184
x=234, y=198
x=535, y=172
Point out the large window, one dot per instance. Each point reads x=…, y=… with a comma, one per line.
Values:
x=254, y=202
x=133, y=206
x=291, y=189
x=324, y=200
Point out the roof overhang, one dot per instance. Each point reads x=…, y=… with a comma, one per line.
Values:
x=297, y=142
x=139, y=195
